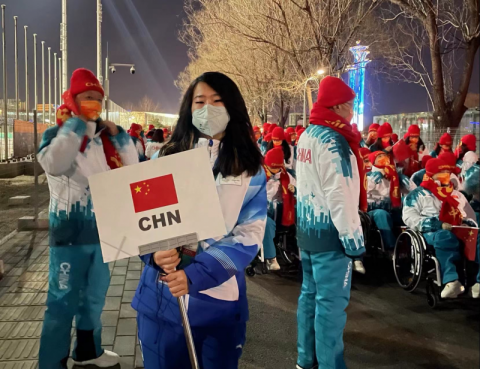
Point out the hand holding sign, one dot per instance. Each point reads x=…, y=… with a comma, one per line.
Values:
x=167, y=260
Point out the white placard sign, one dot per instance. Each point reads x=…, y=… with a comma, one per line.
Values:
x=140, y=205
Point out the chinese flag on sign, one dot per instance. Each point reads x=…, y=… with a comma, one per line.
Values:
x=468, y=236
x=153, y=193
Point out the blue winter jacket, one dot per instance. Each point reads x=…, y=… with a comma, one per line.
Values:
x=217, y=292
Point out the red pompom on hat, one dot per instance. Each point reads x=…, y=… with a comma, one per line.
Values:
x=413, y=130
x=470, y=141
x=333, y=91
x=278, y=134
x=373, y=127
x=425, y=160
x=84, y=80
x=384, y=130
x=274, y=158
x=435, y=166
x=446, y=139
x=364, y=152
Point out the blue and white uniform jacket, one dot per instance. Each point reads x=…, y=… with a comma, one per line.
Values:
x=328, y=187
x=378, y=189
x=421, y=209
x=217, y=292
x=72, y=218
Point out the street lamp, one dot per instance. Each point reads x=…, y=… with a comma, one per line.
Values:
x=320, y=72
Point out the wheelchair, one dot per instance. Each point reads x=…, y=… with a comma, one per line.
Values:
x=285, y=245
x=414, y=261
x=372, y=238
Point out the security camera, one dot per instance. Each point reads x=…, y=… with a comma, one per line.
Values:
x=132, y=70
x=112, y=69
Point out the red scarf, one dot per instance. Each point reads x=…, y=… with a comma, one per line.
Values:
x=64, y=112
x=288, y=216
x=321, y=116
x=392, y=175
x=449, y=213
x=414, y=165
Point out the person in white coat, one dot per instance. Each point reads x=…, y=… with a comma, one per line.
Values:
x=330, y=191
x=155, y=144
x=433, y=209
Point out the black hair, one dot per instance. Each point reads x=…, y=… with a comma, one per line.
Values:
x=158, y=136
x=379, y=143
x=238, y=152
x=150, y=133
x=285, y=148
x=420, y=144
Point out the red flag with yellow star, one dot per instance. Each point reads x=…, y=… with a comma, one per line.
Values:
x=153, y=193
x=468, y=236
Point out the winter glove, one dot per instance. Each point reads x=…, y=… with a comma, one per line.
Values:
x=469, y=222
x=447, y=226
x=431, y=224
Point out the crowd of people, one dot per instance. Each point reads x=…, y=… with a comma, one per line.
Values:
x=313, y=180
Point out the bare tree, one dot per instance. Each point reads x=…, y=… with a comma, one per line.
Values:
x=433, y=44
x=146, y=104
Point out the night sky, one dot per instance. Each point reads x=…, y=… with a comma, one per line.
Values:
x=145, y=32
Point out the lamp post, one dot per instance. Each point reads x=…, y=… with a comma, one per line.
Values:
x=60, y=81
x=99, y=41
x=35, y=87
x=112, y=68
x=320, y=72
x=55, y=82
x=63, y=46
x=49, y=86
x=26, y=74
x=17, y=111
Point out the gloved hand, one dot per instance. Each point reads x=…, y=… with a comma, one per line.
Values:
x=431, y=224
x=447, y=226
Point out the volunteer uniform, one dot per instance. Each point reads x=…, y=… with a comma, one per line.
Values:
x=217, y=300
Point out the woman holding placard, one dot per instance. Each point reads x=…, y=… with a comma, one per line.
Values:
x=212, y=114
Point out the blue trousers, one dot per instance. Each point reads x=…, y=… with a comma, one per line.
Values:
x=447, y=251
x=321, y=315
x=269, y=250
x=164, y=346
x=77, y=285
x=384, y=223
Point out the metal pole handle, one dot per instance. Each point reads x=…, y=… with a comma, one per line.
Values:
x=188, y=333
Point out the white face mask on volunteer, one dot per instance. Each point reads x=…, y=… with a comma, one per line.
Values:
x=211, y=120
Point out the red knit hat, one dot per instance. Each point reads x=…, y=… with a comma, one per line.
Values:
x=395, y=138
x=150, y=127
x=135, y=127
x=274, y=158
x=333, y=91
x=268, y=137
x=446, y=139
x=256, y=129
x=278, y=134
x=425, y=160
x=435, y=166
x=298, y=128
x=290, y=130
x=373, y=127
x=364, y=152
x=372, y=156
x=266, y=127
x=299, y=133
x=470, y=141
x=451, y=159
x=413, y=130
x=384, y=130
x=84, y=80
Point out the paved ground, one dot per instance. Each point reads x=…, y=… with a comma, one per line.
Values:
x=386, y=327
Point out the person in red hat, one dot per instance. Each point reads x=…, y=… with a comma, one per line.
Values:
x=291, y=138
x=81, y=144
x=416, y=146
x=372, y=134
x=394, y=138
x=278, y=140
x=330, y=190
x=433, y=209
x=364, y=153
x=443, y=145
x=417, y=177
x=280, y=196
x=467, y=143
x=385, y=189
x=258, y=136
x=384, y=140
x=136, y=133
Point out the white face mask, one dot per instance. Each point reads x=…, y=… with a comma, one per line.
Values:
x=211, y=120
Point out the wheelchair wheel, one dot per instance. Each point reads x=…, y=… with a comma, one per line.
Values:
x=250, y=271
x=408, y=260
x=432, y=294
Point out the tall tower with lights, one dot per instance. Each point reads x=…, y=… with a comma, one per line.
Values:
x=356, y=80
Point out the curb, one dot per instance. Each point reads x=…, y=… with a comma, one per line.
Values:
x=8, y=237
